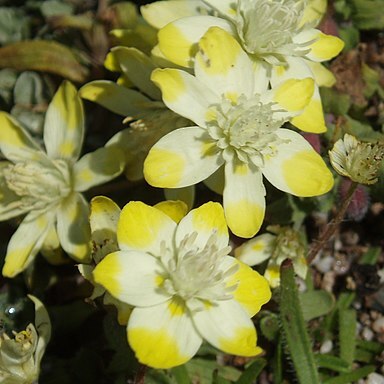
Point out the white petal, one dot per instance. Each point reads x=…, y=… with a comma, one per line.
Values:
x=297, y=168
x=178, y=39
x=143, y=228
x=227, y=327
x=160, y=13
x=223, y=66
x=15, y=142
x=137, y=67
x=163, y=336
x=256, y=250
x=26, y=242
x=205, y=220
x=64, y=124
x=181, y=158
x=98, y=167
x=73, y=227
x=243, y=199
x=185, y=94
x=133, y=277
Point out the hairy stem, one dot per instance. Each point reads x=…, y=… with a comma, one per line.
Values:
x=332, y=225
x=140, y=374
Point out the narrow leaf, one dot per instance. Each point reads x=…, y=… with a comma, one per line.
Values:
x=40, y=55
x=293, y=326
x=352, y=377
x=250, y=375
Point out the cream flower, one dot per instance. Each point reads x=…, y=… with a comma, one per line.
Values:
x=47, y=185
x=104, y=218
x=284, y=243
x=181, y=275
x=357, y=160
x=238, y=132
x=21, y=355
x=279, y=33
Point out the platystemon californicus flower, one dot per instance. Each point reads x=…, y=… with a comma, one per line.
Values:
x=46, y=185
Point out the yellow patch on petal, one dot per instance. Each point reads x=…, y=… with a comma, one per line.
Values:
x=106, y=272
x=326, y=46
x=295, y=94
x=307, y=175
x=242, y=344
x=176, y=210
x=252, y=290
x=67, y=148
x=244, y=217
x=68, y=106
x=11, y=133
x=176, y=307
x=312, y=118
x=208, y=217
x=175, y=46
x=163, y=168
x=208, y=149
x=218, y=51
x=16, y=258
x=232, y=97
x=323, y=76
x=241, y=169
x=272, y=274
x=156, y=348
x=171, y=83
x=279, y=70
x=139, y=225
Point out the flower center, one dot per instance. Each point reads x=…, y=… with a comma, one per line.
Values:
x=246, y=130
x=39, y=185
x=267, y=28
x=198, y=273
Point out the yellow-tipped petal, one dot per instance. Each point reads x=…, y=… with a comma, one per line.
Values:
x=294, y=94
x=176, y=210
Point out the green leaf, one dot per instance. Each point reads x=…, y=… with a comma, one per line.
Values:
x=367, y=14
x=180, y=374
x=252, y=372
x=316, y=303
x=352, y=377
x=334, y=102
x=51, y=8
x=14, y=25
x=350, y=35
x=347, y=332
x=46, y=56
x=294, y=327
x=331, y=362
x=371, y=256
x=201, y=371
x=30, y=89
x=360, y=129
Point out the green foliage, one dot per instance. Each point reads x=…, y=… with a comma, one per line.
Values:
x=294, y=329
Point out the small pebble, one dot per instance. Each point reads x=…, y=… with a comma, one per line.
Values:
x=324, y=264
x=378, y=325
x=367, y=334
x=326, y=347
x=375, y=378
x=328, y=281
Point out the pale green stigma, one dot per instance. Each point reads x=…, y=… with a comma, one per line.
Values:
x=246, y=130
x=267, y=28
x=39, y=185
x=197, y=273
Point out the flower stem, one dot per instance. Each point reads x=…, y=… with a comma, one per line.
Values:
x=140, y=374
x=332, y=225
